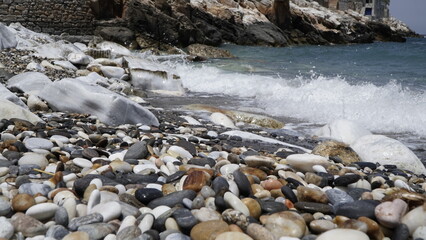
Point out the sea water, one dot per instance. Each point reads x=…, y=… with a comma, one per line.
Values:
x=381, y=86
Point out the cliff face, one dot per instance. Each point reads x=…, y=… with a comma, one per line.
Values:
x=254, y=22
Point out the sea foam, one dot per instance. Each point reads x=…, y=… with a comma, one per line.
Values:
x=317, y=99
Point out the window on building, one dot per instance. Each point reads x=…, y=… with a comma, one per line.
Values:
x=368, y=1
x=368, y=11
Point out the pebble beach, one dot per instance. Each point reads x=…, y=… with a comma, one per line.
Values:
x=84, y=156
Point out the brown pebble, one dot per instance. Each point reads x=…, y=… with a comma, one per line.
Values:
x=255, y=172
x=168, y=188
x=109, y=189
x=22, y=201
x=271, y=184
x=253, y=206
x=355, y=224
x=374, y=230
x=258, y=232
x=208, y=230
x=196, y=180
x=306, y=194
x=235, y=228
x=275, y=193
x=255, y=188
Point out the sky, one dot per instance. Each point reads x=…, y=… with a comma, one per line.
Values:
x=411, y=12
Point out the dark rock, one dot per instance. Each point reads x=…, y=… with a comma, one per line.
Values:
x=401, y=232
x=160, y=221
x=270, y=207
x=81, y=184
x=311, y=207
x=184, y=219
x=220, y=186
x=89, y=153
x=121, y=35
x=175, y=176
x=84, y=220
x=356, y=193
x=357, y=209
x=61, y=217
x=137, y=151
x=202, y=161
x=57, y=232
x=188, y=146
x=172, y=199
x=146, y=195
x=347, y=179
x=242, y=182
x=289, y=194
x=363, y=165
x=220, y=203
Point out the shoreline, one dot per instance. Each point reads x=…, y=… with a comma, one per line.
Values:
x=74, y=177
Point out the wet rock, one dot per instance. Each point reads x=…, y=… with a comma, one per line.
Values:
x=196, y=180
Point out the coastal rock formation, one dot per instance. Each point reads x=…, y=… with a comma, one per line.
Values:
x=249, y=22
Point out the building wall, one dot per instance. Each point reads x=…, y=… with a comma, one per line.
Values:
x=49, y=16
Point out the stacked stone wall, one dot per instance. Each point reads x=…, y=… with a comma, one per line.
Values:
x=49, y=16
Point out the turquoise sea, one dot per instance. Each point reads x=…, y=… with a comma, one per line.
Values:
x=381, y=86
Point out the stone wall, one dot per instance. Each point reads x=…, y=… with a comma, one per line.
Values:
x=50, y=16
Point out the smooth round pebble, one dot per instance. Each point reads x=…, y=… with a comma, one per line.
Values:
x=347, y=234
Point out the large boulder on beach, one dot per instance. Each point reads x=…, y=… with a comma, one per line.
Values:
x=29, y=82
x=10, y=110
x=72, y=95
x=7, y=38
x=385, y=150
x=6, y=94
x=342, y=130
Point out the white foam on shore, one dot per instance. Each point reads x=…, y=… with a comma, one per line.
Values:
x=387, y=109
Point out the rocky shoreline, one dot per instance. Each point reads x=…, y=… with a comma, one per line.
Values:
x=83, y=156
